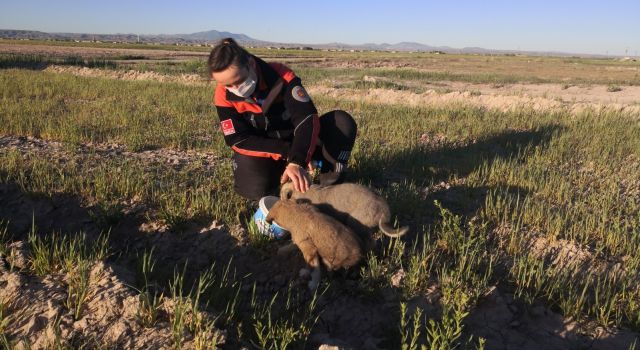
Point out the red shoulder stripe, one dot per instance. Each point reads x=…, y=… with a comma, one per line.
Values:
x=283, y=71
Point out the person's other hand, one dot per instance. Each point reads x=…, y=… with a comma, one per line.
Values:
x=310, y=167
x=298, y=175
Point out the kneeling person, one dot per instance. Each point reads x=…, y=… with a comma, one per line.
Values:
x=273, y=127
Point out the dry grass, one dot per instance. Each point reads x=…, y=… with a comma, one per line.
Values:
x=545, y=204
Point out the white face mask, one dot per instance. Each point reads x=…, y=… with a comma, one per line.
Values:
x=247, y=87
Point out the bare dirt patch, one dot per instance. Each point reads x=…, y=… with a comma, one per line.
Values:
x=110, y=315
x=508, y=324
x=103, y=151
x=131, y=75
x=493, y=100
x=91, y=52
x=539, y=97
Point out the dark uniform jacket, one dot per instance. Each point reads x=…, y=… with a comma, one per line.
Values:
x=278, y=121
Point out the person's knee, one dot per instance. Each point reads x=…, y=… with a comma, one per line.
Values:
x=254, y=177
x=252, y=192
x=345, y=122
x=255, y=187
x=338, y=133
x=338, y=126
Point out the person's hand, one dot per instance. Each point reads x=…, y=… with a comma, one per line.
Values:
x=298, y=175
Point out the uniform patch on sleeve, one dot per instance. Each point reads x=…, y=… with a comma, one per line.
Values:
x=300, y=94
x=227, y=127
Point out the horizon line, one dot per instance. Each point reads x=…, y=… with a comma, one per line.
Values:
x=546, y=51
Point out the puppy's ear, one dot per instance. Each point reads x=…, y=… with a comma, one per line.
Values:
x=286, y=190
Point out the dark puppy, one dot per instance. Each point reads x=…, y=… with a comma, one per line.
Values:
x=355, y=205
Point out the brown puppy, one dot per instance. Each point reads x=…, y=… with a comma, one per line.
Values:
x=355, y=205
x=318, y=236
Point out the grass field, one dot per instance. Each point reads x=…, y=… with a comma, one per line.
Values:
x=511, y=211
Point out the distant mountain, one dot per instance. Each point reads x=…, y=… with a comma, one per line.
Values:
x=207, y=37
x=212, y=36
x=32, y=34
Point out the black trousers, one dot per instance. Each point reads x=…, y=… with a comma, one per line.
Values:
x=256, y=177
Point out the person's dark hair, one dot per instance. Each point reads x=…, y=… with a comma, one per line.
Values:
x=227, y=52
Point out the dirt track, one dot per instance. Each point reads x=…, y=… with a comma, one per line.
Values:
x=539, y=97
x=88, y=52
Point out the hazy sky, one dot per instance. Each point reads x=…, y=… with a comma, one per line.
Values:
x=586, y=26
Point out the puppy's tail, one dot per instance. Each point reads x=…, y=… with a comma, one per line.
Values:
x=389, y=231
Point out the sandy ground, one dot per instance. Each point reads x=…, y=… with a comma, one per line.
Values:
x=492, y=99
x=61, y=51
x=567, y=94
x=110, y=315
x=539, y=97
x=189, y=79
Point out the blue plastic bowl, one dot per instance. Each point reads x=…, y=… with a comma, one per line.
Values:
x=273, y=230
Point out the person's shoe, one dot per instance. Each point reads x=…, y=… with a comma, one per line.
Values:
x=272, y=230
